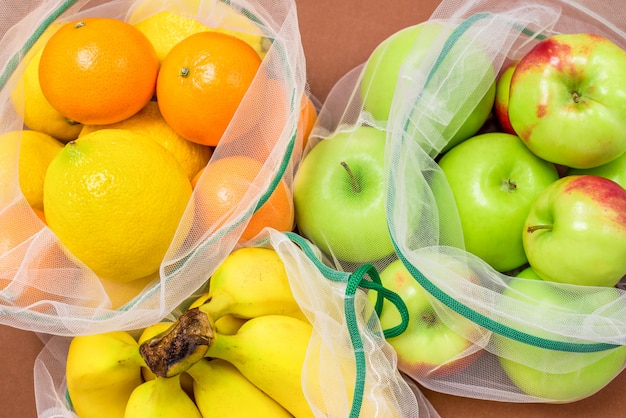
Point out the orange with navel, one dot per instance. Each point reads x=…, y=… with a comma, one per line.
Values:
x=201, y=83
x=98, y=70
x=221, y=187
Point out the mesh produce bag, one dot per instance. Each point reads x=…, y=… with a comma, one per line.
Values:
x=45, y=289
x=559, y=342
x=344, y=338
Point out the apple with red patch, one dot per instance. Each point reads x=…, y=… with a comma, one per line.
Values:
x=437, y=341
x=575, y=231
x=567, y=100
x=501, y=102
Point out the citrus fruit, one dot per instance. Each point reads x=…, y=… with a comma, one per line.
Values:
x=258, y=134
x=201, y=83
x=115, y=199
x=24, y=159
x=307, y=119
x=30, y=103
x=98, y=70
x=221, y=186
x=149, y=122
x=26, y=261
x=120, y=293
x=166, y=28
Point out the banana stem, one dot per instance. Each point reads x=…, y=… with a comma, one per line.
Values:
x=217, y=306
x=183, y=344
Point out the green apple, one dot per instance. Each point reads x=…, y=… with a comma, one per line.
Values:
x=568, y=100
x=494, y=179
x=339, y=196
x=552, y=375
x=414, y=45
x=528, y=273
x=575, y=231
x=429, y=347
x=614, y=170
x=501, y=102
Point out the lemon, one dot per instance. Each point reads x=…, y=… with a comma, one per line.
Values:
x=168, y=27
x=30, y=103
x=120, y=293
x=24, y=159
x=149, y=122
x=115, y=199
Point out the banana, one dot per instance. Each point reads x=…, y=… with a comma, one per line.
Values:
x=269, y=351
x=102, y=370
x=229, y=324
x=151, y=332
x=184, y=343
x=250, y=282
x=221, y=390
x=161, y=397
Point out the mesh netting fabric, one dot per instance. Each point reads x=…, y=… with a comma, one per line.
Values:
x=44, y=288
x=589, y=327
x=349, y=369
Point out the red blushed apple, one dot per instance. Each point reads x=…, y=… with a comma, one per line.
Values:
x=437, y=342
x=567, y=100
x=575, y=231
x=501, y=103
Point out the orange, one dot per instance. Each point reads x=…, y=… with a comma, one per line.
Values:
x=307, y=119
x=24, y=263
x=29, y=101
x=202, y=81
x=221, y=186
x=257, y=134
x=98, y=70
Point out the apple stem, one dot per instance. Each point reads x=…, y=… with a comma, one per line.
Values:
x=575, y=96
x=534, y=228
x=356, y=185
x=509, y=185
x=429, y=318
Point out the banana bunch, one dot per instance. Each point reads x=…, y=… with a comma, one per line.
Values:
x=238, y=351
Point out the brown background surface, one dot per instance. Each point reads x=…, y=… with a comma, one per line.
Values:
x=337, y=35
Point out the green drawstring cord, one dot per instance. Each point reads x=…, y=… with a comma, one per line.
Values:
x=460, y=308
x=353, y=282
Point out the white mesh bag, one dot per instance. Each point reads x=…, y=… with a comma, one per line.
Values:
x=42, y=289
x=343, y=335
x=536, y=339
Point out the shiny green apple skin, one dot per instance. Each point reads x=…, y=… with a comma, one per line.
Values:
x=535, y=370
x=575, y=232
x=351, y=225
x=383, y=67
x=568, y=100
x=494, y=179
x=428, y=347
